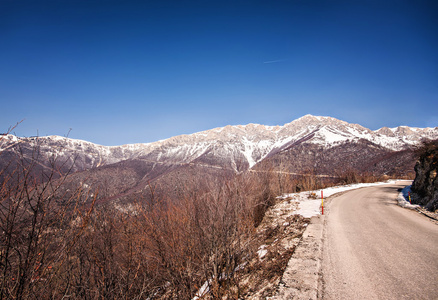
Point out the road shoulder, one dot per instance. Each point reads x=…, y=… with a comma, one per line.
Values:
x=301, y=279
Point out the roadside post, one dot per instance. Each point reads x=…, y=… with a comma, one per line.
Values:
x=322, y=203
x=409, y=193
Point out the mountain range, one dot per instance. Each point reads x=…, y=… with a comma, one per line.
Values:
x=319, y=145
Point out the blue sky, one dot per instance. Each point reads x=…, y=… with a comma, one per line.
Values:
x=118, y=72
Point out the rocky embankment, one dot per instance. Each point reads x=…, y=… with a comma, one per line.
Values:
x=425, y=186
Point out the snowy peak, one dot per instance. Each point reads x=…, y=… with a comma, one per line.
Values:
x=254, y=142
x=329, y=132
x=237, y=147
x=399, y=138
x=310, y=120
x=318, y=122
x=385, y=131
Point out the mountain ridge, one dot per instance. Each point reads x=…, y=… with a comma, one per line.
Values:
x=309, y=145
x=249, y=143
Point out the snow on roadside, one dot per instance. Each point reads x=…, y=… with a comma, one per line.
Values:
x=278, y=216
x=403, y=199
x=308, y=206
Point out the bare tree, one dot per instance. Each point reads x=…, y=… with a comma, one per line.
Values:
x=36, y=215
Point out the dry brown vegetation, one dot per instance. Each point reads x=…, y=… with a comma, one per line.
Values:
x=58, y=243
x=39, y=229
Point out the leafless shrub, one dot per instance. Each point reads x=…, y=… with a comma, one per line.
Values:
x=36, y=224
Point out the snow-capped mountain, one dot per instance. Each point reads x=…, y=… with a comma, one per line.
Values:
x=77, y=154
x=250, y=144
x=330, y=132
x=234, y=147
x=319, y=145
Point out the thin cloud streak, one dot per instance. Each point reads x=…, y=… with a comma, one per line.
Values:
x=274, y=61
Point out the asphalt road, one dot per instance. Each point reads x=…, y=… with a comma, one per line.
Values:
x=374, y=249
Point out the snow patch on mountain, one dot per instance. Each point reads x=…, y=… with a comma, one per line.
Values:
x=248, y=152
x=329, y=136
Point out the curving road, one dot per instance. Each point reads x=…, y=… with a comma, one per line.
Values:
x=374, y=249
